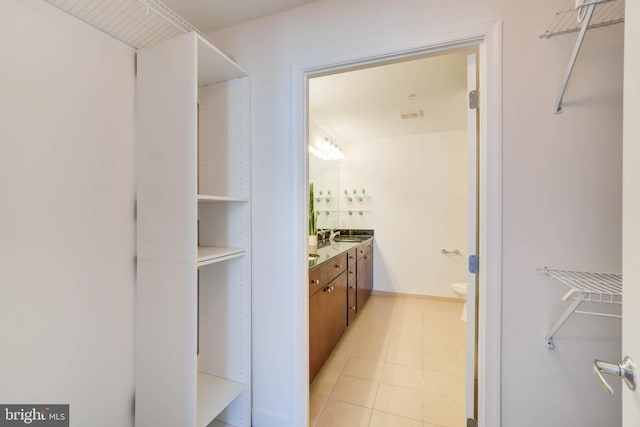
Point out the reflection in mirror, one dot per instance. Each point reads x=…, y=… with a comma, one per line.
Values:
x=325, y=176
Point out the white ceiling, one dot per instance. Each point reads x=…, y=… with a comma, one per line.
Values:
x=211, y=15
x=366, y=103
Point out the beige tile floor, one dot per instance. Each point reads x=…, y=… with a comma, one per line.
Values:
x=400, y=364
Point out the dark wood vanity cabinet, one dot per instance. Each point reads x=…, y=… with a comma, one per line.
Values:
x=338, y=289
x=327, y=310
x=364, y=273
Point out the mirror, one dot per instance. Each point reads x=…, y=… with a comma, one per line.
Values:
x=325, y=176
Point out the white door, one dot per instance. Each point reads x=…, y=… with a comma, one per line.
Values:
x=472, y=240
x=631, y=208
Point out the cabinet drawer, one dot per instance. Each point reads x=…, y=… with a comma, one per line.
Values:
x=336, y=266
x=317, y=279
x=324, y=273
x=365, y=250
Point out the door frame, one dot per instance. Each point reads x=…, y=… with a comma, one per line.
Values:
x=488, y=38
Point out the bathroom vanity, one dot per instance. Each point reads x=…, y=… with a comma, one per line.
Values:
x=340, y=282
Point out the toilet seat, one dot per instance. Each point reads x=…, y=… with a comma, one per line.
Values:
x=460, y=288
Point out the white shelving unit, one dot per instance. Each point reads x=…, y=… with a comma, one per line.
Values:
x=214, y=395
x=209, y=255
x=193, y=301
x=602, y=288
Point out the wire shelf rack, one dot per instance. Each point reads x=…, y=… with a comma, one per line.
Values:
x=603, y=288
x=592, y=287
x=137, y=23
x=568, y=20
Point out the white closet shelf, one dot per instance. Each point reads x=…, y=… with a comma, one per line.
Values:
x=214, y=394
x=215, y=199
x=140, y=23
x=602, y=288
x=137, y=23
x=210, y=255
x=214, y=66
x=580, y=17
x=566, y=21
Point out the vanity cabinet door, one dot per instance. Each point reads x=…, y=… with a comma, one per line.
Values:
x=361, y=291
x=352, y=308
x=337, y=315
x=327, y=321
x=368, y=259
x=364, y=273
x=319, y=337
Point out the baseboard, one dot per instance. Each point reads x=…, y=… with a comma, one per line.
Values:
x=403, y=295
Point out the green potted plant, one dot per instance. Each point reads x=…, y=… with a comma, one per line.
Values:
x=313, y=219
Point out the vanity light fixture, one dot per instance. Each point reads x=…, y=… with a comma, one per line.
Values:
x=327, y=150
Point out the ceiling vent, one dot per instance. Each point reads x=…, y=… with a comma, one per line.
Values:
x=412, y=115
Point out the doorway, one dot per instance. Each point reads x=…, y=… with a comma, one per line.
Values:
x=488, y=38
x=407, y=171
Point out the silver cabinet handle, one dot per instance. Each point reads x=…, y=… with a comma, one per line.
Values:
x=315, y=282
x=625, y=370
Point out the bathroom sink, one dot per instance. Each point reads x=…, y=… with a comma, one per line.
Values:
x=351, y=239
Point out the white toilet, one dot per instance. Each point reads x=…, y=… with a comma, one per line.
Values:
x=460, y=289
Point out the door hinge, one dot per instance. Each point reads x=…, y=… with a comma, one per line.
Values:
x=474, y=264
x=471, y=422
x=474, y=99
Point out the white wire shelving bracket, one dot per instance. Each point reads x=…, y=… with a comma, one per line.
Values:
x=604, y=288
x=137, y=23
x=578, y=16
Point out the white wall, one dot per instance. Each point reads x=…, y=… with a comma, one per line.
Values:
x=561, y=189
x=631, y=214
x=67, y=230
x=416, y=201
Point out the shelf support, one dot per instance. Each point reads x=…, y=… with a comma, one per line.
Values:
x=585, y=287
x=567, y=313
x=576, y=50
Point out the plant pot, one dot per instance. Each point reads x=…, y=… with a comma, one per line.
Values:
x=313, y=241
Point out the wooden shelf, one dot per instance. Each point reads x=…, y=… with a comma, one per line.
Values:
x=217, y=199
x=214, y=394
x=210, y=255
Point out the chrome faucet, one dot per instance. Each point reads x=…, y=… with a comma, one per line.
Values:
x=333, y=235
